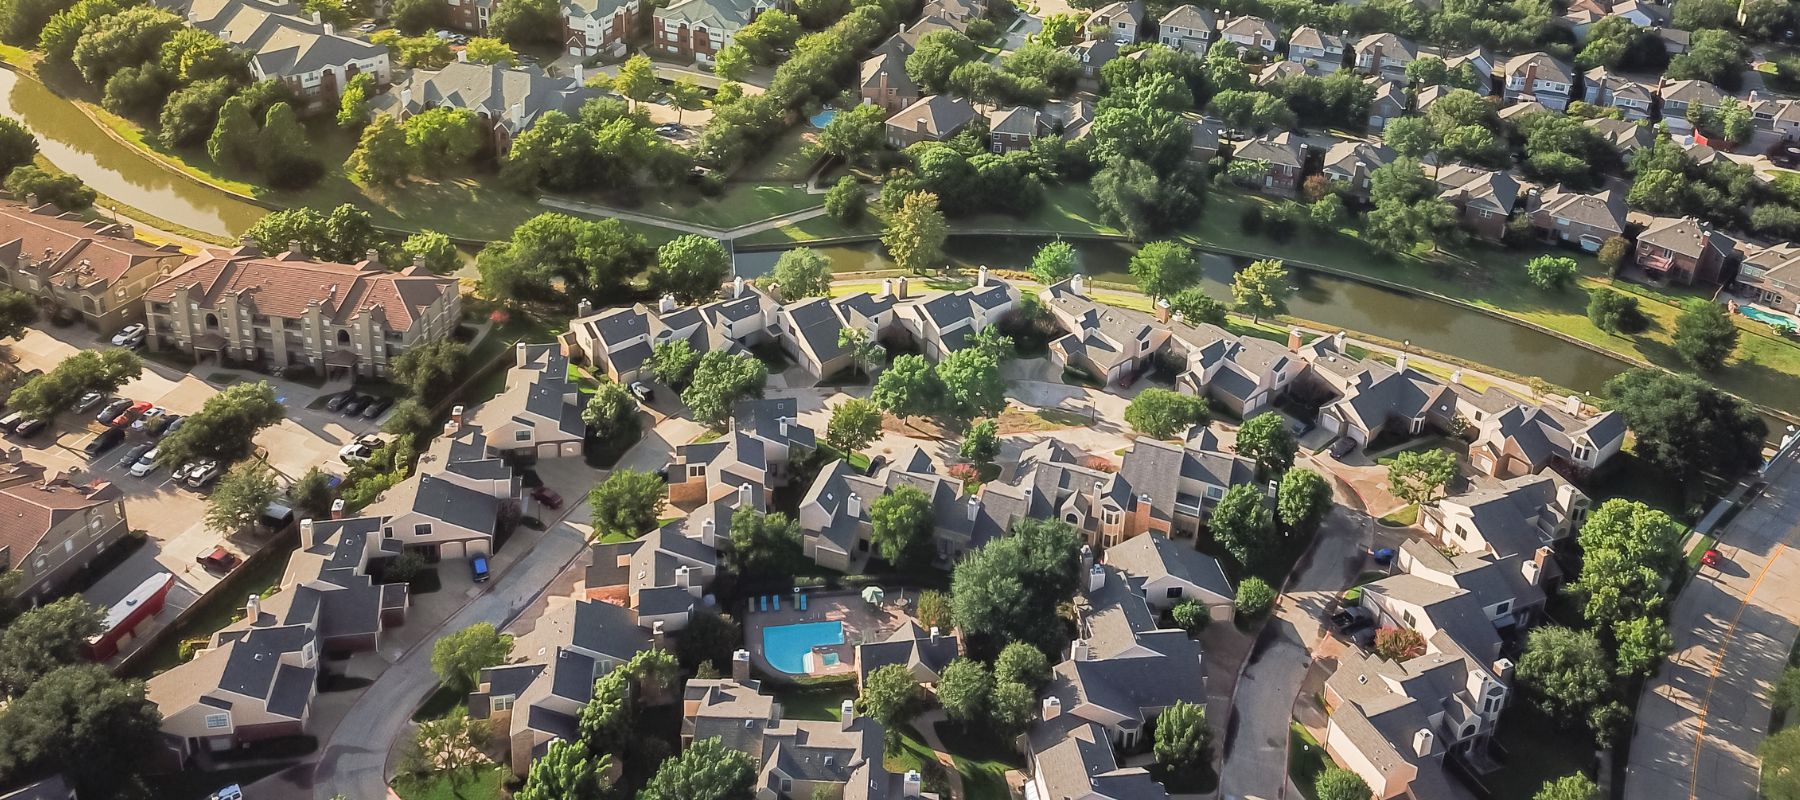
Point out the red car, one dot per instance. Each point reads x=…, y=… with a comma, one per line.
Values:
x=219, y=560
x=136, y=410
x=548, y=497
x=1710, y=558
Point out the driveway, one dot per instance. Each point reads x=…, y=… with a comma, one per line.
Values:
x=1700, y=720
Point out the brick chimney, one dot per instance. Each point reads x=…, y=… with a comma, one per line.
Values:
x=740, y=666
x=1294, y=341
x=337, y=508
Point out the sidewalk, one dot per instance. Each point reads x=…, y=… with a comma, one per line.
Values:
x=593, y=210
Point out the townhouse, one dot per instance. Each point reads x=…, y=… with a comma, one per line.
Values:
x=1351, y=163
x=505, y=100
x=1104, y=507
x=1168, y=572
x=458, y=500
x=1578, y=218
x=763, y=440
x=1273, y=75
x=1388, y=102
x=943, y=324
x=932, y=118
x=1484, y=198
x=1537, y=77
x=1183, y=481
x=1771, y=276
x=923, y=653
x=1513, y=438
x=1484, y=61
x=1255, y=36
x=538, y=414
x=1012, y=130
x=834, y=514
x=1122, y=22
x=1685, y=101
x=699, y=29
x=620, y=341
x=241, y=306
x=1778, y=114
x=1510, y=521
x=1370, y=399
x=1111, y=344
x=470, y=15
x=1282, y=154
x=1188, y=27
x=812, y=330
x=1634, y=99
x=1384, y=54
x=1318, y=51
x=56, y=524
x=95, y=271
x=1682, y=251
x=310, y=56
x=596, y=27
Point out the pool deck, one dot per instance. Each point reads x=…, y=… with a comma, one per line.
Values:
x=1781, y=317
x=862, y=623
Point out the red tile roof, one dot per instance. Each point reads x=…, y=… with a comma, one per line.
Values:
x=29, y=509
x=70, y=241
x=284, y=285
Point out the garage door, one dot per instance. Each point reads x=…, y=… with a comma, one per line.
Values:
x=450, y=550
x=571, y=449
x=548, y=450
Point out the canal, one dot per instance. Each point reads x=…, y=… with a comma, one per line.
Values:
x=75, y=144
x=1326, y=299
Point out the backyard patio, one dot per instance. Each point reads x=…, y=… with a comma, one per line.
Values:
x=815, y=634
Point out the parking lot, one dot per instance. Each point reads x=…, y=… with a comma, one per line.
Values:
x=170, y=514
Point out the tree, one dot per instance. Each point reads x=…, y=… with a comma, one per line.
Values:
x=459, y=657
x=44, y=396
x=189, y=114
x=856, y=134
x=706, y=770
x=282, y=152
x=846, y=201
x=1022, y=664
x=854, y=424
x=443, y=137
x=719, y=381
x=627, y=503
x=136, y=92
x=612, y=413
x=453, y=746
x=865, y=351
x=17, y=146
x=486, y=50
x=1164, y=268
x=673, y=362
x=77, y=717
x=382, y=157
x=312, y=494
x=125, y=39
x=1196, y=307
x=1266, y=440
x=636, y=80
x=1416, y=475
x=224, y=427
x=802, y=272
x=731, y=63
x=1551, y=273
x=1781, y=765
x=933, y=609
x=527, y=22
x=44, y=639
x=1568, y=787
x=764, y=545
x=1011, y=708
x=566, y=771
x=1060, y=30
x=1565, y=670
x=708, y=638
x=241, y=497
x=691, y=267
x=1615, y=312
x=17, y=310
x=900, y=524
x=435, y=249
x=981, y=444
x=1008, y=589
x=1254, y=597
x=1183, y=743
x=889, y=696
x=430, y=370
x=1641, y=643
x=59, y=189
x=409, y=419
x=415, y=17
x=1626, y=549
x=970, y=385
x=1399, y=644
x=1685, y=426
x=908, y=388
x=234, y=139
x=1302, y=500
x=1191, y=615
x=963, y=689
x=1716, y=56
x=686, y=96
x=1337, y=783
x=1261, y=289
x=1055, y=262
x=915, y=234
x=1161, y=413
x=1705, y=335
x=1242, y=524
x=937, y=55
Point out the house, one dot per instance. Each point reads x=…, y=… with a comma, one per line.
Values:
x=1105, y=508
x=470, y=16
x=943, y=324
x=1683, y=101
x=1385, y=54
x=1284, y=156
x=1771, y=276
x=1254, y=35
x=885, y=83
x=812, y=333
x=538, y=414
x=1388, y=103
x=1601, y=87
x=1111, y=344
x=1625, y=137
x=923, y=653
x=663, y=576
x=454, y=505
x=1093, y=54
x=1484, y=198
x=95, y=270
x=1642, y=14
x=1779, y=114
x=1682, y=251
x=1483, y=60
x=56, y=523
x=699, y=29
x=1578, y=218
x=1078, y=761
x=1012, y=130
x=1122, y=22
x=257, y=677
x=1351, y=163
x=834, y=514
x=1318, y=51
x=762, y=442
x=595, y=27
x=240, y=306
x=1513, y=520
x=1423, y=98
x=1274, y=74
x=1518, y=111
x=620, y=341
x=795, y=759
x=1370, y=398
x=310, y=56
x=1515, y=438
x=1243, y=375
x=1204, y=141
x=1540, y=77
x=1169, y=572
x=932, y=118
x=1188, y=27
x=1675, y=41
x=505, y=100
x=1075, y=117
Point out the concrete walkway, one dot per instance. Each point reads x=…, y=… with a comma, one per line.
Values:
x=685, y=227
x=1700, y=721
x=926, y=725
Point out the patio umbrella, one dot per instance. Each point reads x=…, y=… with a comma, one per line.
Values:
x=873, y=595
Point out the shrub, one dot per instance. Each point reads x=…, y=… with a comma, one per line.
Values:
x=1191, y=615
x=1399, y=644
x=1251, y=221
x=1254, y=597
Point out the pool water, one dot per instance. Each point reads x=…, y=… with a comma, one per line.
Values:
x=1763, y=316
x=823, y=118
x=786, y=646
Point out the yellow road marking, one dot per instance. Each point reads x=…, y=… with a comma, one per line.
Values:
x=1718, y=664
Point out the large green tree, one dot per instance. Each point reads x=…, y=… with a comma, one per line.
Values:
x=241, y=497
x=1627, y=548
x=1705, y=335
x=612, y=413
x=1685, y=426
x=225, y=427
x=1265, y=439
x=802, y=272
x=900, y=523
x=566, y=771
x=1164, y=268
x=963, y=690
x=916, y=232
x=908, y=388
x=44, y=639
x=1416, y=476
x=1008, y=589
x=382, y=156
x=1183, y=744
x=856, y=134
x=1241, y=522
x=103, y=371
x=764, y=545
x=1566, y=671
x=970, y=385
x=430, y=370
x=17, y=146
x=627, y=503
x=444, y=137
x=691, y=267
x=17, y=310
x=890, y=696
x=1302, y=500
x=75, y=718
x=1568, y=787
x=1161, y=413
x=854, y=424
x=459, y=657
x=719, y=381
x=1261, y=289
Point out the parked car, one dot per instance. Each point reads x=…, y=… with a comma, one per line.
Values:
x=129, y=336
x=172, y=427
x=478, y=568
x=150, y=417
x=355, y=405
x=164, y=424
x=88, y=401
x=107, y=440
x=1342, y=447
x=10, y=421
x=1352, y=617
x=112, y=410
x=355, y=452
x=337, y=401
x=1382, y=556
x=135, y=453
x=642, y=392
x=548, y=497
x=29, y=428
x=181, y=473
x=367, y=27
x=377, y=407
x=145, y=465
x=219, y=559
x=203, y=474
x=131, y=412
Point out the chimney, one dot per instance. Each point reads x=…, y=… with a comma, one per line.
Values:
x=665, y=304
x=306, y=529
x=784, y=427
x=914, y=785
x=337, y=508
x=981, y=276
x=1162, y=311
x=974, y=507
x=1572, y=404
x=330, y=29
x=1422, y=743
x=708, y=531
x=1400, y=362
x=295, y=248
x=1294, y=341
x=847, y=714
x=1096, y=578
x=126, y=231
x=684, y=579
x=1078, y=285
x=740, y=666
x=1503, y=669
x=1087, y=555
x=317, y=20
x=405, y=98
x=253, y=607
x=854, y=505
x=934, y=633
x=900, y=285
x=919, y=125
x=1338, y=339
x=576, y=74
x=744, y=496
x=246, y=241
x=517, y=113
x=584, y=308
x=887, y=287
x=1456, y=376
x=1078, y=651
x=1533, y=572
x=456, y=414
x=450, y=428
x=520, y=355
x=737, y=286
x=1052, y=708
x=31, y=200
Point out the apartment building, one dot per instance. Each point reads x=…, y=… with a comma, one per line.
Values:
x=56, y=523
x=309, y=55
x=94, y=270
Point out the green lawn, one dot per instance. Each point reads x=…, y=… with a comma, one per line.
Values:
x=1402, y=517
x=1537, y=751
x=219, y=609
x=485, y=785
x=441, y=702
x=1306, y=758
x=814, y=701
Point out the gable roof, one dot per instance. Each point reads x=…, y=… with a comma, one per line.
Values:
x=280, y=43
x=1604, y=209
x=288, y=284
x=939, y=116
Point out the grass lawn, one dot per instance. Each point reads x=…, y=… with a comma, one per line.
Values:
x=439, y=704
x=1019, y=420
x=1402, y=517
x=741, y=204
x=217, y=611
x=815, y=701
x=814, y=229
x=486, y=785
x=1306, y=758
x=1537, y=751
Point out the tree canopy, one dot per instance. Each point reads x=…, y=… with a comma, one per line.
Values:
x=1008, y=589
x=1685, y=426
x=627, y=503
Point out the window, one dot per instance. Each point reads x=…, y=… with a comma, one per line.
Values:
x=501, y=702
x=387, y=532
x=1214, y=493
x=1174, y=592
x=1503, y=607
x=422, y=529
x=218, y=720
x=522, y=435
x=1409, y=619
x=696, y=470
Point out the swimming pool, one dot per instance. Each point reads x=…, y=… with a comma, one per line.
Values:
x=1763, y=316
x=823, y=118
x=786, y=646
